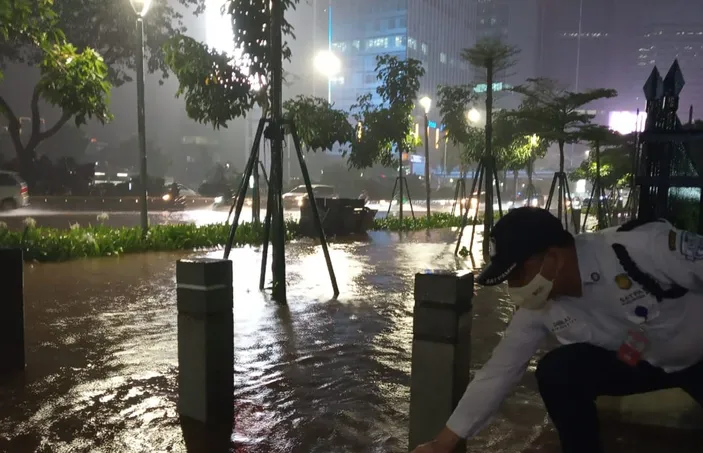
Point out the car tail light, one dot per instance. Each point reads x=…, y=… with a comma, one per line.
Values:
x=24, y=190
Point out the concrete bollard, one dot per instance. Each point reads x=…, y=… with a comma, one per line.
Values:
x=441, y=354
x=576, y=213
x=205, y=341
x=12, y=356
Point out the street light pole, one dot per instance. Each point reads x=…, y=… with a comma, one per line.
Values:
x=140, y=8
x=426, y=103
x=141, y=125
x=444, y=163
x=427, y=163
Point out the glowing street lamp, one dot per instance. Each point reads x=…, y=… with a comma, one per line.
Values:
x=329, y=65
x=534, y=140
x=474, y=116
x=141, y=7
x=426, y=103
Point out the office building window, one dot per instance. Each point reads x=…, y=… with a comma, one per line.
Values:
x=443, y=57
x=399, y=41
x=356, y=44
x=377, y=42
x=424, y=48
x=412, y=43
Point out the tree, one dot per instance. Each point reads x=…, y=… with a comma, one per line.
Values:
x=380, y=129
x=215, y=90
x=320, y=126
x=492, y=56
x=105, y=26
x=390, y=126
x=109, y=28
x=454, y=102
x=512, y=148
x=73, y=80
x=557, y=115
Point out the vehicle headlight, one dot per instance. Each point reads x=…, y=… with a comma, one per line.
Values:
x=534, y=202
x=219, y=200
x=166, y=197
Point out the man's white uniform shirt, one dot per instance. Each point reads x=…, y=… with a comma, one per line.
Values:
x=603, y=315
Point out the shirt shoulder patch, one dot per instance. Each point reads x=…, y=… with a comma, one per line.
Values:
x=691, y=246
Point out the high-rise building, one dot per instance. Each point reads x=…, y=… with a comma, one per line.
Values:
x=615, y=44
x=432, y=32
x=515, y=23
x=577, y=42
x=673, y=31
x=357, y=32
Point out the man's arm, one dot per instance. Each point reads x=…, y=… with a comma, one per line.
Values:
x=666, y=253
x=492, y=383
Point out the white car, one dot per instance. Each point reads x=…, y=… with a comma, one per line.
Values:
x=295, y=197
x=13, y=191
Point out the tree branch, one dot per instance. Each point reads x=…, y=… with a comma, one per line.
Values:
x=65, y=116
x=13, y=126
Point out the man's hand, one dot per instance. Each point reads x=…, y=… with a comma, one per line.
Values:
x=445, y=442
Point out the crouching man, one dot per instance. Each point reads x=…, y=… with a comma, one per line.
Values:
x=625, y=304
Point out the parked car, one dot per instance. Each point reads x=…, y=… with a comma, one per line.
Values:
x=295, y=197
x=13, y=191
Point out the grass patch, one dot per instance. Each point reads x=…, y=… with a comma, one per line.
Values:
x=434, y=221
x=51, y=245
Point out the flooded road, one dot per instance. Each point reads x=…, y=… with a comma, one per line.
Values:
x=63, y=219
x=317, y=376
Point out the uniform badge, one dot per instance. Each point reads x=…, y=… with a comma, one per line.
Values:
x=623, y=281
x=595, y=276
x=492, y=248
x=672, y=240
x=691, y=246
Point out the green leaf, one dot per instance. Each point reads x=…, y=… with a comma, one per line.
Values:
x=320, y=126
x=389, y=128
x=216, y=91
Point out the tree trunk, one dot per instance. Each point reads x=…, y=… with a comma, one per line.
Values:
x=530, y=169
x=515, y=183
x=488, y=214
x=25, y=160
x=560, y=190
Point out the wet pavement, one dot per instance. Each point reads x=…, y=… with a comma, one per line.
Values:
x=318, y=375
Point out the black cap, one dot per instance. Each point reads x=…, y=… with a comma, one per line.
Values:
x=518, y=235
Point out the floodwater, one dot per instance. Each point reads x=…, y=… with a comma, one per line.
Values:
x=316, y=376
x=63, y=219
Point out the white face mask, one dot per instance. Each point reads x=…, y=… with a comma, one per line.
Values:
x=534, y=295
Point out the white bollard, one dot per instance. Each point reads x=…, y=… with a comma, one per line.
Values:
x=441, y=354
x=205, y=340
